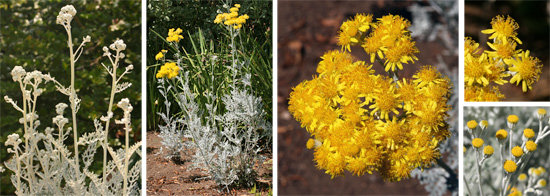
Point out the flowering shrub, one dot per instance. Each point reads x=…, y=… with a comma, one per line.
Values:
x=225, y=142
x=518, y=148
x=484, y=72
x=364, y=122
x=42, y=164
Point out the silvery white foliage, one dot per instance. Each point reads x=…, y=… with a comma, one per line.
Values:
x=434, y=180
x=41, y=162
x=229, y=153
x=171, y=133
x=491, y=173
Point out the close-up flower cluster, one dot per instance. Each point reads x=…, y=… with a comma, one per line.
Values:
x=486, y=70
x=232, y=18
x=365, y=122
x=506, y=146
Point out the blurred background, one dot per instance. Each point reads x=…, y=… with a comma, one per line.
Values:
x=30, y=37
x=305, y=35
x=533, y=18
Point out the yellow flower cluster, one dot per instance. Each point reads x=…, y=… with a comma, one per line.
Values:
x=174, y=35
x=160, y=55
x=389, y=39
x=483, y=73
x=169, y=70
x=364, y=122
x=232, y=18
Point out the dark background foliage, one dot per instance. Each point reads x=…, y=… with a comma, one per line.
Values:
x=29, y=37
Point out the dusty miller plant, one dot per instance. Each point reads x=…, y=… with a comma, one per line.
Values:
x=42, y=163
x=226, y=144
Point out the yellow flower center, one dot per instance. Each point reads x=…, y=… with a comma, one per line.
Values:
x=502, y=134
x=517, y=151
x=510, y=166
x=472, y=124
x=513, y=119
x=531, y=146
x=488, y=150
x=477, y=142
x=528, y=133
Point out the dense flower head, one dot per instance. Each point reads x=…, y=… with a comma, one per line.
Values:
x=503, y=28
x=512, y=119
x=528, y=133
x=232, y=18
x=477, y=142
x=471, y=124
x=501, y=134
x=488, y=150
x=66, y=15
x=541, y=183
x=160, y=55
x=510, y=166
x=485, y=72
x=174, y=35
x=531, y=146
x=353, y=30
x=541, y=113
x=517, y=151
x=363, y=121
x=169, y=70
x=522, y=177
x=525, y=69
x=389, y=39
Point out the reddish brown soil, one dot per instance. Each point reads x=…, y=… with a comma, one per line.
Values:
x=306, y=30
x=170, y=177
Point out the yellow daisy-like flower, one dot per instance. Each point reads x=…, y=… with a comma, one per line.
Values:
x=402, y=52
x=174, y=35
x=510, y=166
x=531, y=146
x=470, y=46
x=504, y=50
x=528, y=133
x=477, y=142
x=488, y=150
x=517, y=151
x=351, y=31
x=501, y=134
x=169, y=70
x=513, y=119
x=503, y=29
x=471, y=124
x=476, y=69
x=526, y=68
x=386, y=100
x=428, y=75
